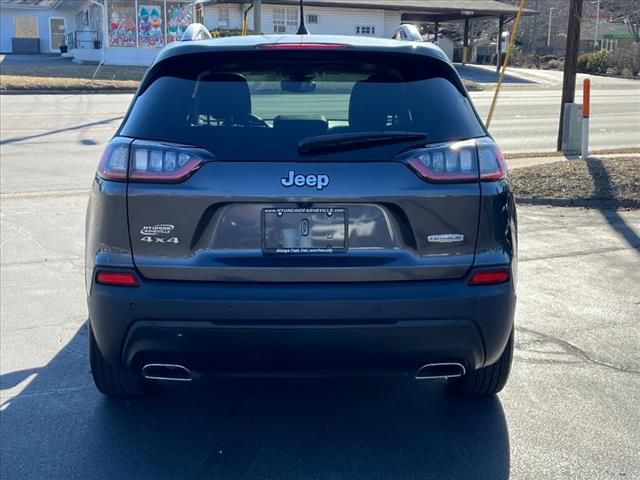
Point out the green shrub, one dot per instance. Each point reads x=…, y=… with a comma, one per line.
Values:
x=582, y=63
x=228, y=32
x=547, y=58
x=594, y=62
x=598, y=62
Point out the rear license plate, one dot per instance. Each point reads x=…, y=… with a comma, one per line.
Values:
x=304, y=230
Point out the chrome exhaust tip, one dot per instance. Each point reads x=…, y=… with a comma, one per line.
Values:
x=166, y=371
x=432, y=371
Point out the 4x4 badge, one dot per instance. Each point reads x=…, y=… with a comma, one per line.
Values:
x=317, y=181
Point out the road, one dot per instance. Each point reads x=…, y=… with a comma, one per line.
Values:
x=569, y=411
x=526, y=120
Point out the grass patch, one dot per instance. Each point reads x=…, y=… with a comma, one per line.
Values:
x=69, y=77
x=595, y=183
x=608, y=151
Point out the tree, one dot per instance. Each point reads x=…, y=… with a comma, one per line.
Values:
x=624, y=11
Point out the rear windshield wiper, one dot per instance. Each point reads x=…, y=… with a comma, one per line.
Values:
x=340, y=142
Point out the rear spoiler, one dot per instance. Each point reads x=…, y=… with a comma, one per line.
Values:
x=196, y=31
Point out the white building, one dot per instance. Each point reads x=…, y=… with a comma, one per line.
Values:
x=131, y=32
x=283, y=17
x=120, y=32
x=34, y=27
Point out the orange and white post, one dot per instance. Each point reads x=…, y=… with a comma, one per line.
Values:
x=586, y=107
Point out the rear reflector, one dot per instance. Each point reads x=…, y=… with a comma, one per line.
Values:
x=301, y=46
x=123, y=279
x=489, y=277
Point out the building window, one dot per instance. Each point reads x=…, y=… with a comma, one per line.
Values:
x=82, y=19
x=26, y=27
x=178, y=20
x=312, y=19
x=223, y=18
x=150, y=24
x=122, y=24
x=285, y=20
x=365, y=30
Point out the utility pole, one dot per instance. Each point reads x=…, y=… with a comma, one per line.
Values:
x=595, y=37
x=570, y=62
x=549, y=33
x=500, y=40
x=465, y=42
x=534, y=40
x=257, y=17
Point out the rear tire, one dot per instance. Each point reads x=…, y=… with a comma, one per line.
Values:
x=112, y=380
x=489, y=380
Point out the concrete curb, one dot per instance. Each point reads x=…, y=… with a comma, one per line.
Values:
x=522, y=162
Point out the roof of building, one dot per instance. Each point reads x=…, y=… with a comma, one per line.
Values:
x=429, y=9
x=41, y=4
x=619, y=36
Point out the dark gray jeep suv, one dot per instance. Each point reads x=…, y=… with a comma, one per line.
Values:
x=301, y=205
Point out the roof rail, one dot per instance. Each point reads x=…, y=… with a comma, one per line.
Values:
x=407, y=32
x=196, y=31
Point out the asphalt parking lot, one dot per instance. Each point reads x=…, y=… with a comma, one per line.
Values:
x=569, y=411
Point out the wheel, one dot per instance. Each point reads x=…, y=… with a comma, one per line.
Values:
x=112, y=380
x=489, y=380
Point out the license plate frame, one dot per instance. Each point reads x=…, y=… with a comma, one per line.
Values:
x=334, y=220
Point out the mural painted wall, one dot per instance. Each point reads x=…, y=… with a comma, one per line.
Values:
x=122, y=24
x=178, y=19
x=150, y=27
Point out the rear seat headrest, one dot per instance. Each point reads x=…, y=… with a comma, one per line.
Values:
x=223, y=96
x=376, y=99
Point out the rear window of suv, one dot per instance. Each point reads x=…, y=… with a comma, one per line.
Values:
x=259, y=106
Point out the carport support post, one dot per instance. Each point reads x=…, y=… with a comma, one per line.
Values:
x=500, y=28
x=465, y=42
x=257, y=17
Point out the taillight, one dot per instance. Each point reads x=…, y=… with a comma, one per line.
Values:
x=121, y=279
x=490, y=277
x=454, y=162
x=162, y=163
x=149, y=161
x=114, y=162
x=465, y=161
x=492, y=164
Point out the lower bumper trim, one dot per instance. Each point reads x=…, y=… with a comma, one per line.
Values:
x=204, y=346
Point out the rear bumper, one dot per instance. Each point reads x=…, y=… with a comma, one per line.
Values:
x=254, y=328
